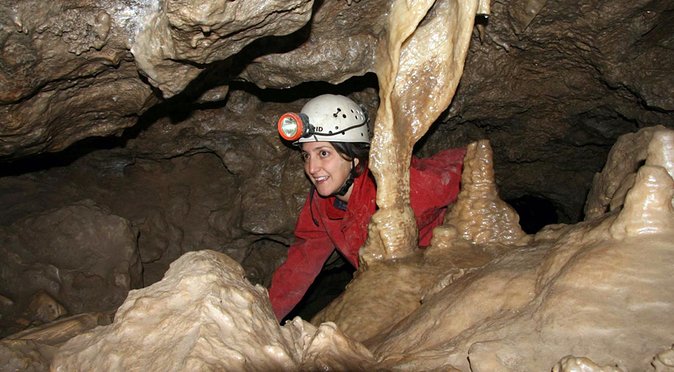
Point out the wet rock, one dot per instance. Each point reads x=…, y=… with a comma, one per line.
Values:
x=83, y=256
x=43, y=308
x=67, y=75
x=209, y=317
x=22, y=355
x=664, y=361
x=480, y=216
x=572, y=290
x=185, y=34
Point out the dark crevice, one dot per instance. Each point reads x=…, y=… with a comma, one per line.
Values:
x=329, y=284
x=535, y=212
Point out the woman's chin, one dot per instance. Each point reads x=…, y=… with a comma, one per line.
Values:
x=324, y=192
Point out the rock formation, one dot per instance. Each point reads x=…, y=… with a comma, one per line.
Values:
x=204, y=315
x=147, y=128
x=572, y=296
x=80, y=254
x=420, y=37
x=592, y=290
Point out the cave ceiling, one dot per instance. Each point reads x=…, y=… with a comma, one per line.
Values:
x=551, y=84
x=133, y=131
x=163, y=112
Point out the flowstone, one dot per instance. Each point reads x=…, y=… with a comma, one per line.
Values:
x=419, y=63
x=204, y=315
x=595, y=290
x=570, y=297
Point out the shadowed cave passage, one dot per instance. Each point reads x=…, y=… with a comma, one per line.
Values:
x=535, y=212
x=329, y=284
x=135, y=134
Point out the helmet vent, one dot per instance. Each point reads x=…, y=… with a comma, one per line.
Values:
x=336, y=114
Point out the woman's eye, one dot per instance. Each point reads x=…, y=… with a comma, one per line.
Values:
x=324, y=154
x=305, y=156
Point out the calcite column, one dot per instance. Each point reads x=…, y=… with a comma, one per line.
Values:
x=419, y=63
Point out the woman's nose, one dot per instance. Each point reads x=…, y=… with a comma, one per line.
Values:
x=313, y=165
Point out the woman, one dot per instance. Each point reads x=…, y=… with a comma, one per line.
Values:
x=332, y=134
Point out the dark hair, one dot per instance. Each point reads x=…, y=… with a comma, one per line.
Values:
x=354, y=150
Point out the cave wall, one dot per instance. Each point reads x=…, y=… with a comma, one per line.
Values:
x=180, y=141
x=552, y=84
x=568, y=78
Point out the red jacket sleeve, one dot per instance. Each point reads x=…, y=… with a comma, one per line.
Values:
x=306, y=257
x=434, y=184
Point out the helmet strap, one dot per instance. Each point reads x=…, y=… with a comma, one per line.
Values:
x=348, y=182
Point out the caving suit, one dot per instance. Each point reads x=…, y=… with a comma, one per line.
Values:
x=323, y=225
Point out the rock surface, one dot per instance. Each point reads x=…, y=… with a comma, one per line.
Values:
x=183, y=36
x=551, y=85
x=572, y=297
x=67, y=74
x=78, y=259
x=204, y=315
x=593, y=290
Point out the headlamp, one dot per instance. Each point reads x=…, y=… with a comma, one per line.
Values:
x=293, y=126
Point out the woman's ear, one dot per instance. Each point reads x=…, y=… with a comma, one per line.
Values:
x=356, y=161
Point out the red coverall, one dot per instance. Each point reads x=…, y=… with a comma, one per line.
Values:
x=322, y=227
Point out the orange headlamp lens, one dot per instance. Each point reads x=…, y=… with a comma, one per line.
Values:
x=290, y=126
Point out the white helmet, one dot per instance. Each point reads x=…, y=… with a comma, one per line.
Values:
x=329, y=118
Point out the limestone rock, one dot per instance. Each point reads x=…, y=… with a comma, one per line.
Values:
x=25, y=355
x=67, y=75
x=416, y=41
x=664, y=361
x=611, y=184
x=57, y=332
x=81, y=255
x=571, y=290
x=339, y=43
x=573, y=364
x=479, y=215
x=185, y=34
x=43, y=308
x=205, y=315
x=33, y=349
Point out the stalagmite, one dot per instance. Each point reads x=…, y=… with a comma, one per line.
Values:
x=584, y=295
x=611, y=185
x=480, y=216
x=591, y=296
x=419, y=63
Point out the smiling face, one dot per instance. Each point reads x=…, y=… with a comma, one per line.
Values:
x=326, y=168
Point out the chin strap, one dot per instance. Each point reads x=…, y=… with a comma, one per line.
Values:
x=341, y=192
x=311, y=204
x=348, y=182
